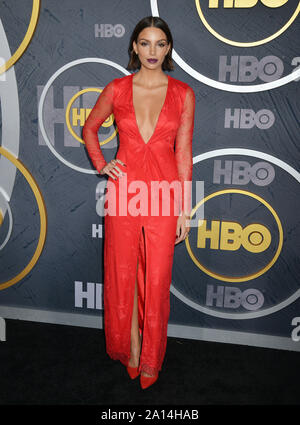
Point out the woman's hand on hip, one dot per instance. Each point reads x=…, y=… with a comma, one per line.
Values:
x=112, y=170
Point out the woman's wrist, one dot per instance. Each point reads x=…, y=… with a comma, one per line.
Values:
x=185, y=214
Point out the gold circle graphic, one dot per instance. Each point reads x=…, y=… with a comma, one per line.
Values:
x=251, y=43
x=253, y=275
x=28, y=36
x=43, y=218
x=71, y=101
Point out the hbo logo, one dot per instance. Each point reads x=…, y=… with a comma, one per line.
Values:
x=232, y=297
x=108, y=30
x=246, y=3
x=247, y=69
x=2, y=76
x=247, y=118
x=241, y=172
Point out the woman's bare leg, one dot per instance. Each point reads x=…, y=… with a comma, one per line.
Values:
x=136, y=339
x=135, y=335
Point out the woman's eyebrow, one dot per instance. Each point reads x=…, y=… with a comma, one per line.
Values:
x=162, y=39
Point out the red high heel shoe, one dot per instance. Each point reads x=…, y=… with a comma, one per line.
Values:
x=133, y=371
x=146, y=381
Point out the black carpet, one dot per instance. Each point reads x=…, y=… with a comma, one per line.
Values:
x=46, y=364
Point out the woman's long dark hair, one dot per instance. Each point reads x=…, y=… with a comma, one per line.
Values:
x=150, y=21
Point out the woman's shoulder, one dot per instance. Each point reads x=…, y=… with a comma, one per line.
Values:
x=183, y=87
x=121, y=80
x=119, y=84
x=116, y=84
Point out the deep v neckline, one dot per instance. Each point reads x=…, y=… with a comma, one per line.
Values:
x=159, y=115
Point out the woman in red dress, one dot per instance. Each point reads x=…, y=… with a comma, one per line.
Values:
x=154, y=113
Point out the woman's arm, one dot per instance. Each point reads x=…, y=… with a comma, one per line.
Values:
x=183, y=149
x=100, y=112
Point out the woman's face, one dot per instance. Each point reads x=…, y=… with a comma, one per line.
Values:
x=152, y=43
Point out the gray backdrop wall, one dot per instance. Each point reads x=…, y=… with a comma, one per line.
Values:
x=236, y=278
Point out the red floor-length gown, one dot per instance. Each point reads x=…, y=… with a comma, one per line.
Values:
x=167, y=156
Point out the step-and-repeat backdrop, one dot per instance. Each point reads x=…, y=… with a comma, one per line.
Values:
x=236, y=277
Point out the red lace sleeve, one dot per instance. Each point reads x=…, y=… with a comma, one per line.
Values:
x=183, y=149
x=100, y=112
